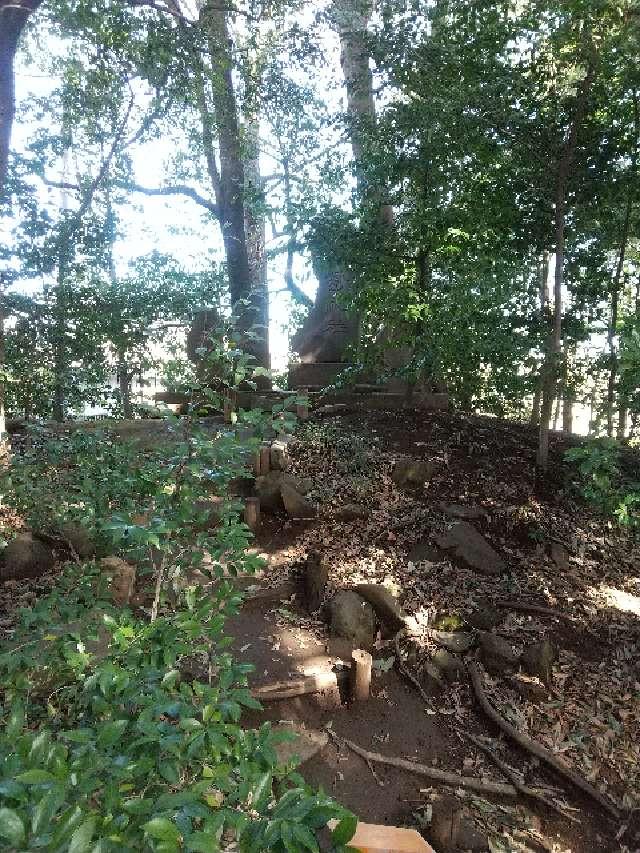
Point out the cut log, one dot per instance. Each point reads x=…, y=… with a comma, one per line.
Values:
x=296, y=687
x=265, y=460
x=302, y=409
x=361, y=663
x=252, y=514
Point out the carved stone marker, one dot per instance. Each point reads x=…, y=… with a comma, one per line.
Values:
x=328, y=331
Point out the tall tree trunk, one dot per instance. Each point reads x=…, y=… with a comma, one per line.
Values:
x=616, y=285
x=543, y=297
x=352, y=20
x=554, y=348
x=124, y=385
x=255, y=231
x=228, y=181
x=4, y=438
x=14, y=15
x=59, y=349
x=568, y=402
x=556, y=414
x=621, y=430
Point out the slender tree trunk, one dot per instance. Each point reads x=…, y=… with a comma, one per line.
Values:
x=255, y=230
x=621, y=430
x=124, y=385
x=296, y=292
x=616, y=284
x=554, y=349
x=4, y=438
x=556, y=414
x=14, y=15
x=592, y=410
x=543, y=296
x=568, y=402
x=568, y=388
x=59, y=356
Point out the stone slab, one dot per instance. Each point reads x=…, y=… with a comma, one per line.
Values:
x=385, y=401
x=315, y=374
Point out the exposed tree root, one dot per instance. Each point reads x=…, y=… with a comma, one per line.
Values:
x=534, y=747
x=406, y=672
x=512, y=776
x=450, y=779
x=535, y=608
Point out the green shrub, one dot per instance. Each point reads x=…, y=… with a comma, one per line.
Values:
x=602, y=482
x=121, y=729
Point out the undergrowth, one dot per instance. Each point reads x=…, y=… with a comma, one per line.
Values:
x=109, y=742
x=603, y=482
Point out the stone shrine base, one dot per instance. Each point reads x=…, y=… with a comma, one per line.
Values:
x=317, y=374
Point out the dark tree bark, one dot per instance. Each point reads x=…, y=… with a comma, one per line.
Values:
x=125, y=377
x=248, y=292
x=352, y=20
x=616, y=284
x=543, y=296
x=14, y=15
x=554, y=350
x=568, y=391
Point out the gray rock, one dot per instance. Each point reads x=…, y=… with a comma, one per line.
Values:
x=302, y=747
x=121, y=579
x=449, y=665
x=268, y=489
x=279, y=453
x=559, y=555
x=424, y=552
x=314, y=581
x=465, y=513
x=484, y=619
x=352, y=618
x=295, y=504
x=26, y=557
x=351, y=512
x=383, y=602
x=471, y=549
x=496, y=654
x=538, y=660
x=79, y=538
x=451, y=831
x=412, y=473
x=431, y=679
x=529, y=688
x=454, y=641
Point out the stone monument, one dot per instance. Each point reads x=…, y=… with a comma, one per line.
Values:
x=325, y=337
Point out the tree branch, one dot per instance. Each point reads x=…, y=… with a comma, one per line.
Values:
x=177, y=189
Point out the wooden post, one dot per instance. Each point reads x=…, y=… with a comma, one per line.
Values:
x=265, y=459
x=302, y=411
x=252, y=514
x=257, y=463
x=361, y=662
x=229, y=406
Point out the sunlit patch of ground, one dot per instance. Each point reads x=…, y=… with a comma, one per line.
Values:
x=620, y=599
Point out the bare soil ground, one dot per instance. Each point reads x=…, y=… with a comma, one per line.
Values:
x=559, y=554
x=589, y=715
